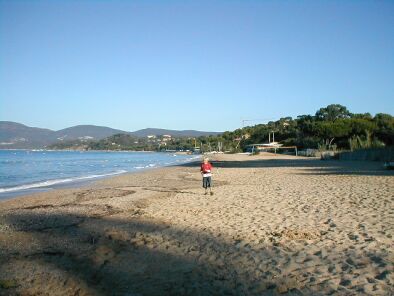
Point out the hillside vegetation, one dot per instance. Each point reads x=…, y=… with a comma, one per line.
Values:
x=332, y=127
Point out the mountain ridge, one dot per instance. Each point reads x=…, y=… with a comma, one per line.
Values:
x=14, y=135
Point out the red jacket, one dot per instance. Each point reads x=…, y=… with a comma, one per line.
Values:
x=206, y=167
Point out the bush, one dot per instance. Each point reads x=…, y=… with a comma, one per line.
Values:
x=366, y=142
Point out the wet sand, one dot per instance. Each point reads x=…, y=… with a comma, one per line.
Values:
x=275, y=225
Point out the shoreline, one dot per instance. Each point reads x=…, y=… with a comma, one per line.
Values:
x=75, y=182
x=275, y=224
x=107, y=151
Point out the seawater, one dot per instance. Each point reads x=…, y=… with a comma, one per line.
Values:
x=26, y=171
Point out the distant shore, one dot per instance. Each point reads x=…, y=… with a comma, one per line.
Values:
x=82, y=150
x=275, y=224
x=73, y=150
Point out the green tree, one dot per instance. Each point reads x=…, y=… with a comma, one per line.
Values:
x=329, y=131
x=385, y=128
x=332, y=112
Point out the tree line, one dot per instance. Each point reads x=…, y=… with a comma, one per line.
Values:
x=332, y=127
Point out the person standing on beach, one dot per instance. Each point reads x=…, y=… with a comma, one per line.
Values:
x=206, y=172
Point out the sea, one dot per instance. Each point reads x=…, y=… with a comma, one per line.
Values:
x=29, y=171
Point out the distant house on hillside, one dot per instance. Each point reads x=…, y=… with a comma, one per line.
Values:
x=85, y=138
x=62, y=138
x=151, y=137
x=166, y=138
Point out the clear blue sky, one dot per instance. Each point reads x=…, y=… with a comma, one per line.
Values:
x=191, y=64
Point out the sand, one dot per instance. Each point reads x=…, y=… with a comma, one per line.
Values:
x=275, y=225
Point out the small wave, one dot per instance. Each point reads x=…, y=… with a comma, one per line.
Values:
x=57, y=181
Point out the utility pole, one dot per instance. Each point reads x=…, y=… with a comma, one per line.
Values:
x=220, y=145
x=269, y=137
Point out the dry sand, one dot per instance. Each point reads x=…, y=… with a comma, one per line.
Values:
x=275, y=225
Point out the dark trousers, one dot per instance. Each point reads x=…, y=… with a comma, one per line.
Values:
x=206, y=182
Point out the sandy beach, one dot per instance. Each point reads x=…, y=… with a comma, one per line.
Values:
x=275, y=225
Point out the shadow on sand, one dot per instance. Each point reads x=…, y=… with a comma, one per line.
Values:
x=311, y=166
x=70, y=254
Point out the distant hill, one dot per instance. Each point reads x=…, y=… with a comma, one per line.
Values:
x=18, y=136
x=87, y=132
x=175, y=133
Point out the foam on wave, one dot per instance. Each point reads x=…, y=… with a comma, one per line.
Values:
x=57, y=181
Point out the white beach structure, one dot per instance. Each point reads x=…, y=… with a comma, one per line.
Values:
x=271, y=145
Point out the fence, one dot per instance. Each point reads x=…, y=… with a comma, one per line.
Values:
x=374, y=154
